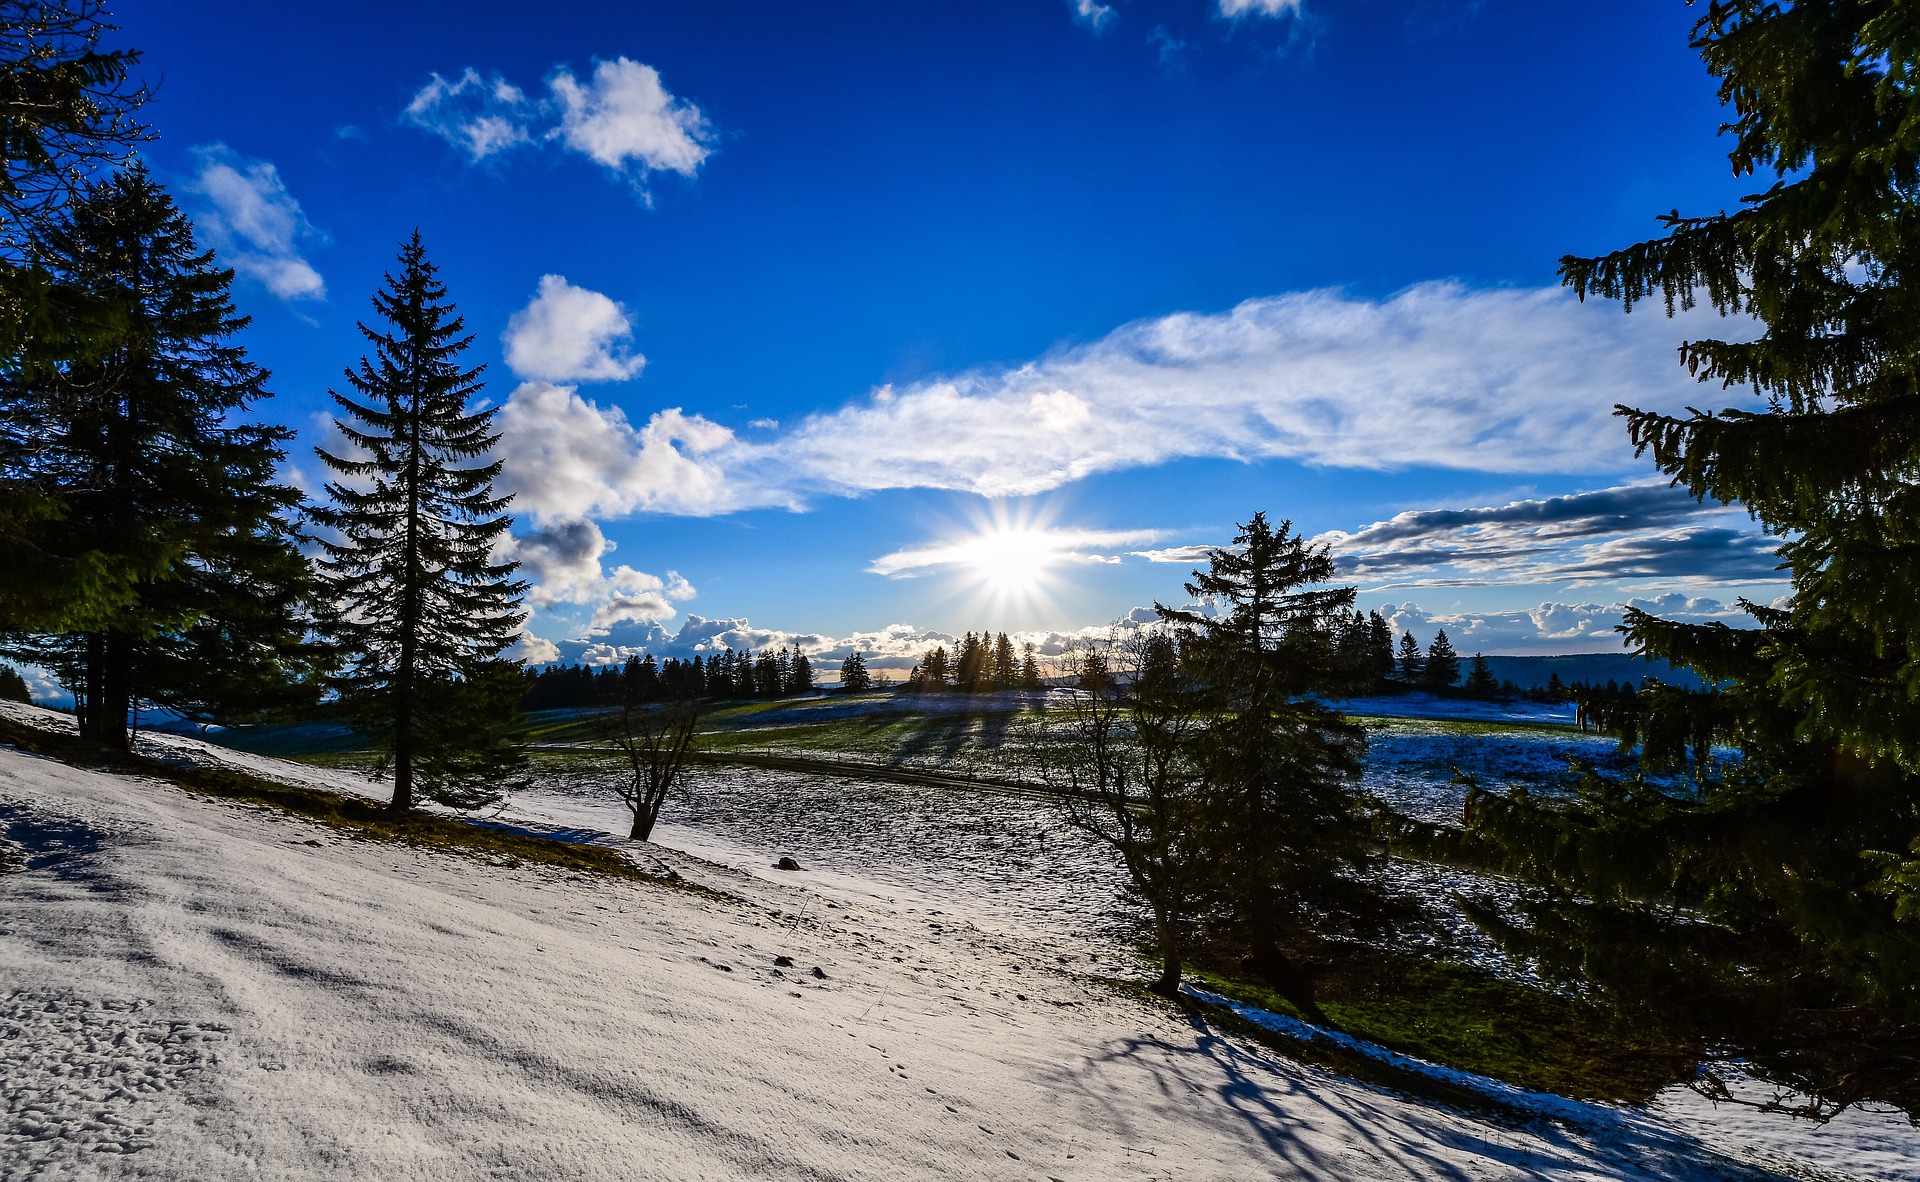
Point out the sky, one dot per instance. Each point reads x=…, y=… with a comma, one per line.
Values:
x=862, y=325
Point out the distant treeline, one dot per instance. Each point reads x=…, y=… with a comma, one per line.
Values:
x=981, y=663
x=774, y=673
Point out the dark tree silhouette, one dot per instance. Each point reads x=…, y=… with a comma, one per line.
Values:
x=423, y=605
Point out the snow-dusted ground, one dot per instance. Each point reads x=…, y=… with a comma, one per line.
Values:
x=191, y=989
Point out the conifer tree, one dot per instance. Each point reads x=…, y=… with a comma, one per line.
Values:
x=1380, y=660
x=1480, y=682
x=1413, y=662
x=766, y=675
x=934, y=673
x=1443, y=664
x=1004, y=673
x=134, y=438
x=68, y=109
x=1292, y=852
x=802, y=673
x=1765, y=904
x=854, y=677
x=424, y=610
x=1030, y=678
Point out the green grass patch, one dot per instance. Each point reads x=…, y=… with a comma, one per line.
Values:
x=1464, y=1017
x=353, y=815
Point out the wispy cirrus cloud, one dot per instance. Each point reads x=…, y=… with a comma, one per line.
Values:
x=1091, y=13
x=255, y=224
x=1270, y=9
x=621, y=116
x=1438, y=376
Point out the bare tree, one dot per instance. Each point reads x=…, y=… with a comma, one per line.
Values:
x=1124, y=764
x=657, y=741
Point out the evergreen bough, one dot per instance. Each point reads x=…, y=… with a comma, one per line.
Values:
x=1770, y=902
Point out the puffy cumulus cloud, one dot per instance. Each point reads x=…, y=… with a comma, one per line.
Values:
x=255, y=224
x=570, y=334
x=638, y=596
x=533, y=650
x=564, y=458
x=1236, y=9
x=1622, y=535
x=480, y=116
x=1030, y=548
x=621, y=117
x=1554, y=627
x=1091, y=14
x=562, y=561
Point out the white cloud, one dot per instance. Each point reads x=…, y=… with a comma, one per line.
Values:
x=562, y=562
x=1625, y=535
x=624, y=117
x=1032, y=548
x=1553, y=627
x=570, y=334
x=533, y=650
x=621, y=117
x=1235, y=9
x=634, y=595
x=1091, y=14
x=1440, y=375
x=565, y=458
x=479, y=116
x=255, y=224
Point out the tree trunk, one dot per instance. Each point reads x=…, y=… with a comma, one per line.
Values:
x=1288, y=979
x=1166, y=934
x=109, y=690
x=643, y=819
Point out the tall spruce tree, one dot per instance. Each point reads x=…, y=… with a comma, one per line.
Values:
x=1770, y=902
x=424, y=609
x=1412, y=662
x=133, y=437
x=1443, y=664
x=1293, y=854
x=854, y=677
x=67, y=120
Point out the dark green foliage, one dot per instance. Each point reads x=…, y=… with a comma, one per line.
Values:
x=1412, y=662
x=1766, y=901
x=1443, y=664
x=424, y=610
x=1204, y=754
x=13, y=687
x=66, y=110
x=854, y=677
x=1480, y=682
x=130, y=437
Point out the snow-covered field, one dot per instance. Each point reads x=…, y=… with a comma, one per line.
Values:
x=191, y=989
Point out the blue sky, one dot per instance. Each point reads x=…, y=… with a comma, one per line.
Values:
x=853, y=323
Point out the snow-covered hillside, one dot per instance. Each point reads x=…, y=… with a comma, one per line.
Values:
x=191, y=989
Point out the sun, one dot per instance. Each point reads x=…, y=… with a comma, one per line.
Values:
x=1010, y=562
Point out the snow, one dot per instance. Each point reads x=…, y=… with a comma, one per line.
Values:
x=193, y=989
